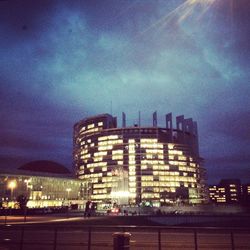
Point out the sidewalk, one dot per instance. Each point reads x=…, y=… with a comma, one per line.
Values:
x=17, y=219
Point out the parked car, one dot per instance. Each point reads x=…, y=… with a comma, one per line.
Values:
x=114, y=211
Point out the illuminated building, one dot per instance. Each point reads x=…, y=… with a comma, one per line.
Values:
x=132, y=165
x=217, y=194
x=44, y=183
x=228, y=191
x=246, y=194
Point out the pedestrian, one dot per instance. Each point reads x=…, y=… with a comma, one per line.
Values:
x=87, y=209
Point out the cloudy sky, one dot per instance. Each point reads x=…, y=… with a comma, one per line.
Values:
x=61, y=61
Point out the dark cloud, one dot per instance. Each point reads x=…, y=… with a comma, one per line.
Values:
x=10, y=141
x=22, y=18
x=32, y=127
x=9, y=160
x=234, y=124
x=64, y=60
x=240, y=22
x=231, y=159
x=228, y=171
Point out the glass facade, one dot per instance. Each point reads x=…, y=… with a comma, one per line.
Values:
x=131, y=165
x=42, y=191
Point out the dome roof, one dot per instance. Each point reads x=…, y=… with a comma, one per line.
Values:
x=45, y=167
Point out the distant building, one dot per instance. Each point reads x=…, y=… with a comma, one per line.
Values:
x=44, y=183
x=230, y=191
x=132, y=165
x=246, y=194
x=217, y=194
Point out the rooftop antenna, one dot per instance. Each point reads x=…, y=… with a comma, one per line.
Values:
x=111, y=107
x=155, y=119
x=123, y=120
x=139, y=123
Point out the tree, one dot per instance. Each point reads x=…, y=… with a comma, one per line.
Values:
x=22, y=201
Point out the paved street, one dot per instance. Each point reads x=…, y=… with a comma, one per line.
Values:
x=101, y=238
x=76, y=218
x=72, y=232
x=38, y=219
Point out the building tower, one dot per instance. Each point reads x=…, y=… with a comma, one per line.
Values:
x=132, y=165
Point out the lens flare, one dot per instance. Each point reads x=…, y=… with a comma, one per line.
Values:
x=182, y=12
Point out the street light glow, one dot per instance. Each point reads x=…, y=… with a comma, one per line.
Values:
x=12, y=185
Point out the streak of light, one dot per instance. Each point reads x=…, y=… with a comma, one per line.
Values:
x=181, y=13
x=164, y=19
x=205, y=5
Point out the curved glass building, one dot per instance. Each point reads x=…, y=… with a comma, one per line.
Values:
x=137, y=164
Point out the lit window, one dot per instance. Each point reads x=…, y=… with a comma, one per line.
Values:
x=91, y=126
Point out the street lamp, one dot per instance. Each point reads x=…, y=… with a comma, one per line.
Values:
x=12, y=186
x=68, y=190
x=27, y=181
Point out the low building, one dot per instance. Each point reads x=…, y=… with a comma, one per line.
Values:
x=228, y=191
x=217, y=194
x=44, y=183
x=246, y=194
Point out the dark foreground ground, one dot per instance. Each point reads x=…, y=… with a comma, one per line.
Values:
x=74, y=232
x=77, y=219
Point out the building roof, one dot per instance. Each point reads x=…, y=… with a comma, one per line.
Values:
x=45, y=167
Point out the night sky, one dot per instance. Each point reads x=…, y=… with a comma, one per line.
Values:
x=61, y=61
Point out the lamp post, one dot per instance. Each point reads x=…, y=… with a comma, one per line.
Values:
x=12, y=186
x=27, y=182
x=68, y=190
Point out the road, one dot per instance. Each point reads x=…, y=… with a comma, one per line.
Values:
x=168, y=220
x=73, y=233
x=101, y=239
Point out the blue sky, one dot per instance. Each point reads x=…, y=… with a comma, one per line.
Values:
x=62, y=61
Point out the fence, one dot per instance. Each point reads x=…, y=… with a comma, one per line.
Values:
x=49, y=237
